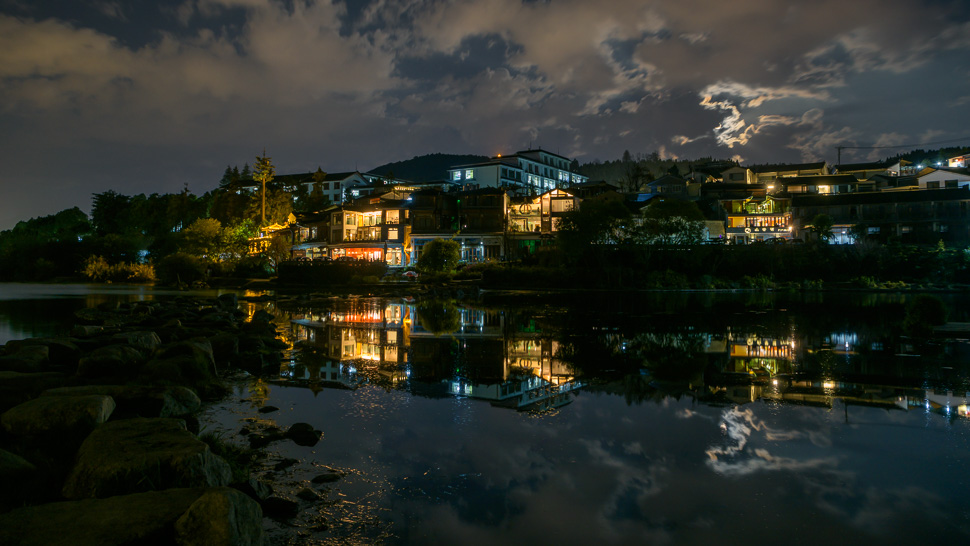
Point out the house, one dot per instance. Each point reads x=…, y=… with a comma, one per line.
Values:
x=912, y=216
x=312, y=234
x=958, y=162
x=333, y=186
x=770, y=174
x=529, y=171
x=475, y=219
x=756, y=218
x=865, y=171
x=374, y=227
x=669, y=185
x=943, y=177
x=827, y=184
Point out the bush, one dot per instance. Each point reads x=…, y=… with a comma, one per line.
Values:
x=180, y=268
x=97, y=269
x=439, y=255
x=760, y=282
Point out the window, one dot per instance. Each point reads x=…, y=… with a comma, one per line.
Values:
x=951, y=183
x=336, y=185
x=392, y=234
x=736, y=176
x=393, y=217
x=907, y=229
x=944, y=228
x=456, y=175
x=932, y=185
x=872, y=230
x=469, y=174
x=326, y=186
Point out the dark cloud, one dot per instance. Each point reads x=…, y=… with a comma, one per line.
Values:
x=345, y=84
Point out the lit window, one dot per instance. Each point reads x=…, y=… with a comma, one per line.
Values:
x=469, y=174
x=392, y=234
x=456, y=175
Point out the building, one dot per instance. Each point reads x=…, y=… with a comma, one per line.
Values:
x=336, y=187
x=374, y=227
x=943, y=177
x=529, y=171
x=827, y=184
x=911, y=216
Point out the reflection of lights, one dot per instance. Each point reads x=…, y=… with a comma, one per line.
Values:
x=828, y=384
x=774, y=382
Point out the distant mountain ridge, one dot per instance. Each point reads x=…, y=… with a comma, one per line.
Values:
x=426, y=168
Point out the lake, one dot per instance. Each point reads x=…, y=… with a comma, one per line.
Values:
x=617, y=419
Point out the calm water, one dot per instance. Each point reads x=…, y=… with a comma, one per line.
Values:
x=669, y=418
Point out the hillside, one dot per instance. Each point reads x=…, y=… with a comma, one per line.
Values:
x=426, y=168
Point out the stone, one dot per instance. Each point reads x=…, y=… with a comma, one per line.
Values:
x=61, y=351
x=197, y=349
x=303, y=434
x=262, y=316
x=141, y=518
x=268, y=409
x=135, y=455
x=145, y=341
x=327, y=477
x=55, y=417
x=140, y=401
x=225, y=347
x=17, y=387
x=255, y=488
x=308, y=495
x=280, y=508
x=86, y=331
x=112, y=360
x=285, y=463
x=221, y=517
x=228, y=302
x=26, y=358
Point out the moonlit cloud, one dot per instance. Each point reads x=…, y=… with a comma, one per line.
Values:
x=362, y=82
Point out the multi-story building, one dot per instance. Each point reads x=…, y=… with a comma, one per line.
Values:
x=529, y=171
x=371, y=228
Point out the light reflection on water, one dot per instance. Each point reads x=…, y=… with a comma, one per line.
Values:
x=735, y=419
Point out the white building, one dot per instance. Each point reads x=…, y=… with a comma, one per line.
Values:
x=529, y=171
x=942, y=178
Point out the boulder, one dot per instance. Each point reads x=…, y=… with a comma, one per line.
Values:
x=17, y=387
x=255, y=489
x=26, y=359
x=86, y=330
x=62, y=351
x=145, y=341
x=16, y=475
x=135, y=455
x=221, y=517
x=303, y=434
x=197, y=349
x=58, y=417
x=111, y=360
x=140, y=401
x=141, y=518
x=225, y=347
x=228, y=302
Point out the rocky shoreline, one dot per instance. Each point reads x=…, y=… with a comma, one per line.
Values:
x=99, y=433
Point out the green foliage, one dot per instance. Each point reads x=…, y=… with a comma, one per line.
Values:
x=923, y=313
x=204, y=239
x=97, y=269
x=759, y=282
x=439, y=256
x=45, y=247
x=180, y=268
x=597, y=222
x=822, y=227
x=439, y=316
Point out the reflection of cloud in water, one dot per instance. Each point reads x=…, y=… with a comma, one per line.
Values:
x=733, y=459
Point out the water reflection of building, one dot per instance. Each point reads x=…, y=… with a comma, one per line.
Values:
x=439, y=350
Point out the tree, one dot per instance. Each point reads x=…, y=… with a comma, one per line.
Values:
x=671, y=222
x=203, y=238
x=110, y=212
x=263, y=172
x=634, y=175
x=822, y=227
x=279, y=249
x=439, y=256
x=279, y=205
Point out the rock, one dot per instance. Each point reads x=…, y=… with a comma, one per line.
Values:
x=328, y=477
x=308, y=495
x=257, y=441
x=198, y=349
x=140, y=401
x=262, y=316
x=303, y=434
x=279, y=508
x=86, y=331
x=58, y=417
x=136, y=455
x=285, y=463
x=61, y=351
x=228, y=302
x=142, y=518
x=17, y=476
x=268, y=409
x=26, y=358
x=145, y=341
x=16, y=387
x=225, y=347
x=221, y=517
x=256, y=489
x=111, y=360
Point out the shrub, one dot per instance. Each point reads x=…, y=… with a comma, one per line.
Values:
x=180, y=268
x=760, y=282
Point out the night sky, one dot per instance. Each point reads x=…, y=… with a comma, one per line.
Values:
x=147, y=96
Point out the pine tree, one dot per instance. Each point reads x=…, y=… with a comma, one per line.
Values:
x=264, y=171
